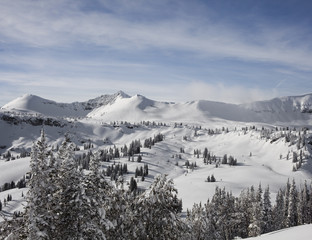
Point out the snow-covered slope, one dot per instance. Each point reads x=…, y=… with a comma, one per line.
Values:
x=136, y=108
x=121, y=107
x=303, y=232
x=36, y=105
x=259, y=159
x=283, y=109
x=263, y=156
x=296, y=110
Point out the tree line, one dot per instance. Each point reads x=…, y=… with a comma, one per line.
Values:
x=67, y=202
x=251, y=213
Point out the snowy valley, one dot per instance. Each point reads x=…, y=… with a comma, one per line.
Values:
x=266, y=142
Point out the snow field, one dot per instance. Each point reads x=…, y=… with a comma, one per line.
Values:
x=16, y=205
x=263, y=165
x=303, y=232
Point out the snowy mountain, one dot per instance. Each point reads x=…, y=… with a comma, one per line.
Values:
x=32, y=104
x=121, y=107
x=269, y=139
x=283, y=109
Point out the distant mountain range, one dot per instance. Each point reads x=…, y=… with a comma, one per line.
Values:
x=121, y=106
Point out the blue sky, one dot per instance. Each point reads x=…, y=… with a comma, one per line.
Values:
x=233, y=51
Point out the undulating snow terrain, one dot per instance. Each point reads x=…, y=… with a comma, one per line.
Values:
x=303, y=232
x=264, y=137
x=120, y=106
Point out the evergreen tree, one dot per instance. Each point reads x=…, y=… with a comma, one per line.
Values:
x=292, y=217
x=200, y=223
x=156, y=215
x=133, y=185
x=38, y=217
x=267, y=211
x=91, y=222
x=286, y=204
x=279, y=211
x=255, y=227
x=212, y=178
x=118, y=208
x=68, y=209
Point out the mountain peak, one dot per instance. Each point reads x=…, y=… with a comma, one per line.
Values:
x=122, y=94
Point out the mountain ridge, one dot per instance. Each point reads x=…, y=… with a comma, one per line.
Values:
x=38, y=105
x=121, y=106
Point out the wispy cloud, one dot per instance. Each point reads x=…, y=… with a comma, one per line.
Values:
x=62, y=23
x=229, y=94
x=158, y=48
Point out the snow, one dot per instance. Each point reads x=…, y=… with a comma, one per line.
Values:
x=121, y=107
x=303, y=232
x=32, y=104
x=37, y=105
x=263, y=166
x=16, y=205
x=275, y=111
x=13, y=170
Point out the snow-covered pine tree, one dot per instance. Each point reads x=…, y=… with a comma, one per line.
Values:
x=69, y=179
x=92, y=222
x=304, y=205
x=119, y=207
x=226, y=216
x=301, y=205
x=286, y=204
x=156, y=212
x=292, y=217
x=38, y=220
x=241, y=215
x=199, y=223
x=267, y=211
x=278, y=212
x=255, y=227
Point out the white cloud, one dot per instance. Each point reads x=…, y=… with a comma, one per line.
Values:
x=230, y=94
x=57, y=28
x=61, y=23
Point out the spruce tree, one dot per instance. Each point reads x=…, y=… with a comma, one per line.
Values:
x=91, y=217
x=267, y=211
x=156, y=215
x=292, y=217
x=38, y=219
x=68, y=185
x=200, y=224
x=279, y=211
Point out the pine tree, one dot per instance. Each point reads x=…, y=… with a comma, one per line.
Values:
x=267, y=211
x=91, y=217
x=255, y=227
x=278, y=212
x=286, y=204
x=68, y=185
x=156, y=215
x=292, y=217
x=133, y=185
x=212, y=178
x=38, y=219
x=225, y=210
x=200, y=223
